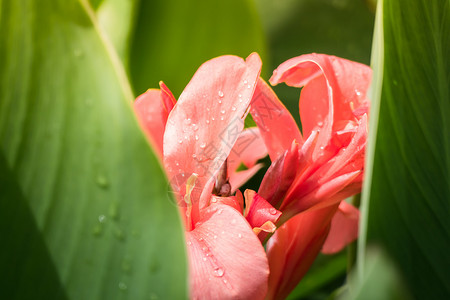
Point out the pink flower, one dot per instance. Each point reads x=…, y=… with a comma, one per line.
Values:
x=202, y=142
x=311, y=175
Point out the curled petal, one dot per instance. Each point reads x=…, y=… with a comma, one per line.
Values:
x=247, y=150
x=226, y=259
x=344, y=228
x=277, y=126
x=334, y=88
x=237, y=179
x=259, y=212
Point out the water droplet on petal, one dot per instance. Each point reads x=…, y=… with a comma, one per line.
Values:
x=212, y=119
x=272, y=211
x=187, y=121
x=196, y=137
x=233, y=108
x=194, y=155
x=321, y=148
x=194, y=127
x=102, y=218
x=239, y=235
x=358, y=93
x=207, y=121
x=202, y=145
x=221, y=118
x=204, y=258
x=218, y=272
x=240, y=96
x=220, y=94
x=249, y=86
x=245, y=81
x=180, y=141
x=220, y=101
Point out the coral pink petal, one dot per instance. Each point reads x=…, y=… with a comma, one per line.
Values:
x=280, y=175
x=247, y=150
x=344, y=228
x=345, y=83
x=277, y=126
x=208, y=118
x=237, y=179
x=152, y=115
x=226, y=259
x=169, y=100
x=232, y=201
x=258, y=211
x=293, y=248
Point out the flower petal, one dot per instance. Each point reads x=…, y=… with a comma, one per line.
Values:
x=344, y=228
x=226, y=259
x=238, y=179
x=334, y=89
x=277, y=126
x=258, y=211
x=152, y=115
x=208, y=118
x=293, y=248
x=248, y=149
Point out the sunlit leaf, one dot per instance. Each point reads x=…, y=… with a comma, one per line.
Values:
x=409, y=207
x=84, y=208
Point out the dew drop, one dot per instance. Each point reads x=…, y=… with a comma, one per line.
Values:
x=212, y=119
x=194, y=127
x=321, y=148
x=203, y=145
x=196, y=137
x=221, y=118
x=102, y=218
x=239, y=235
x=320, y=123
x=358, y=93
x=240, y=96
x=220, y=94
x=213, y=200
x=194, y=155
x=219, y=211
x=215, y=236
x=272, y=211
x=189, y=243
x=102, y=181
x=207, y=121
x=204, y=258
x=220, y=101
x=218, y=272
x=180, y=141
x=225, y=281
x=185, y=137
x=122, y=286
x=187, y=121
x=249, y=86
x=245, y=81
x=233, y=108
x=205, y=249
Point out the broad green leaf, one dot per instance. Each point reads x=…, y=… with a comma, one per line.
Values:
x=408, y=212
x=173, y=38
x=84, y=209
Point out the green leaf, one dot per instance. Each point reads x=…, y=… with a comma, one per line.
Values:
x=173, y=38
x=409, y=207
x=380, y=281
x=84, y=208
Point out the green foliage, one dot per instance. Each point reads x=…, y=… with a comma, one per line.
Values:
x=409, y=207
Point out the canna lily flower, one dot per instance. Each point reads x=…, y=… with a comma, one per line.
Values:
x=311, y=174
x=202, y=141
